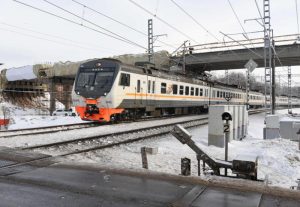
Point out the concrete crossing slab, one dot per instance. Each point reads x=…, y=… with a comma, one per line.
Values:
x=41, y=183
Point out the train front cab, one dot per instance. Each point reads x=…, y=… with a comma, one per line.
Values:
x=94, y=82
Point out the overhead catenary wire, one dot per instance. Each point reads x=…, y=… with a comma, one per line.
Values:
x=108, y=17
x=241, y=45
x=163, y=21
x=49, y=40
x=195, y=20
x=86, y=20
x=76, y=43
x=73, y=22
x=200, y=25
x=238, y=19
x=119, y=22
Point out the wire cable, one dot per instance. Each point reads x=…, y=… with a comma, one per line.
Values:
x=108, y=17
x=119, y=22
x=73, y=22
x=163, y=21
x=241, y=45
x=82, y=44
x=197, y=22
x=49, y=40
x=238, y=19
x=113, y=33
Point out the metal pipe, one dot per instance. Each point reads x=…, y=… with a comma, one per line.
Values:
x=226, y=144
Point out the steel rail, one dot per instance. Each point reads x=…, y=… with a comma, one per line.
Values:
x=158, y=131
x=201, y=121
x=45, y=130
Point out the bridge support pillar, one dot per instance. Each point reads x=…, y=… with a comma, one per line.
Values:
x=52, y=95
x=67, y=95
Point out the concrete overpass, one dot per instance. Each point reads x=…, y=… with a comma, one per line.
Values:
x=234, y=55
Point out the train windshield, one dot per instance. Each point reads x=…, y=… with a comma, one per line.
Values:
x=97, y=79
x=93, y=83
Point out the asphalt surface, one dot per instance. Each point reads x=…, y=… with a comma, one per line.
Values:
x=39, y=180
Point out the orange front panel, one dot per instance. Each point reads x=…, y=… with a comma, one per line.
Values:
x=103, y=115
x=91, y=101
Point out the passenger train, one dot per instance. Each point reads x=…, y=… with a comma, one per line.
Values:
x=108, y=90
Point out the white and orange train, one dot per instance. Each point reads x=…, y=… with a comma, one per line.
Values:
x=107, y=90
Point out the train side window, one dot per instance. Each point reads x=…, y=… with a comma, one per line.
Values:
x=197, y=92
x=201, y=92
x=187, y=90
x=163, y=88
x=218, y=94
x=175, y=89
x=180, y=90
x=124, y=79
x=138, y=86
x=192, y=91
x=221, y=94
x=149, y=86
x=153, y=86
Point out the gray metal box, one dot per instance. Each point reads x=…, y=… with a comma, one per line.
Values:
x=287, y=129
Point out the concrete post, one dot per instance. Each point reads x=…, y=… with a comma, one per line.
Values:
x=144, y=158
x=185, y=166
x=273, y=81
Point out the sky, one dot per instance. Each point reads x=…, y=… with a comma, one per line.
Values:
x=29, y=36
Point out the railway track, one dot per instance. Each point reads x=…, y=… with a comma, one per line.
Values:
x=58, y=128
x=45, y=130
x=92, y=143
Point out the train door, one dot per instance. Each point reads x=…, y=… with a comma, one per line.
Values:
x=138, y=94
x=150, y=95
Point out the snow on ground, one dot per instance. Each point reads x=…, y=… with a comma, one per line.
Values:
x=23, y=122
x=21, y=141
x=279, y=159
x=23, y=118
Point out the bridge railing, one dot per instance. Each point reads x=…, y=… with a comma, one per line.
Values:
x=242, y=44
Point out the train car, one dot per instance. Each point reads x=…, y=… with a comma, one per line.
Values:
x=108, y=90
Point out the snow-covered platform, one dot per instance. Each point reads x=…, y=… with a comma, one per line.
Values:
x=39, y=180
